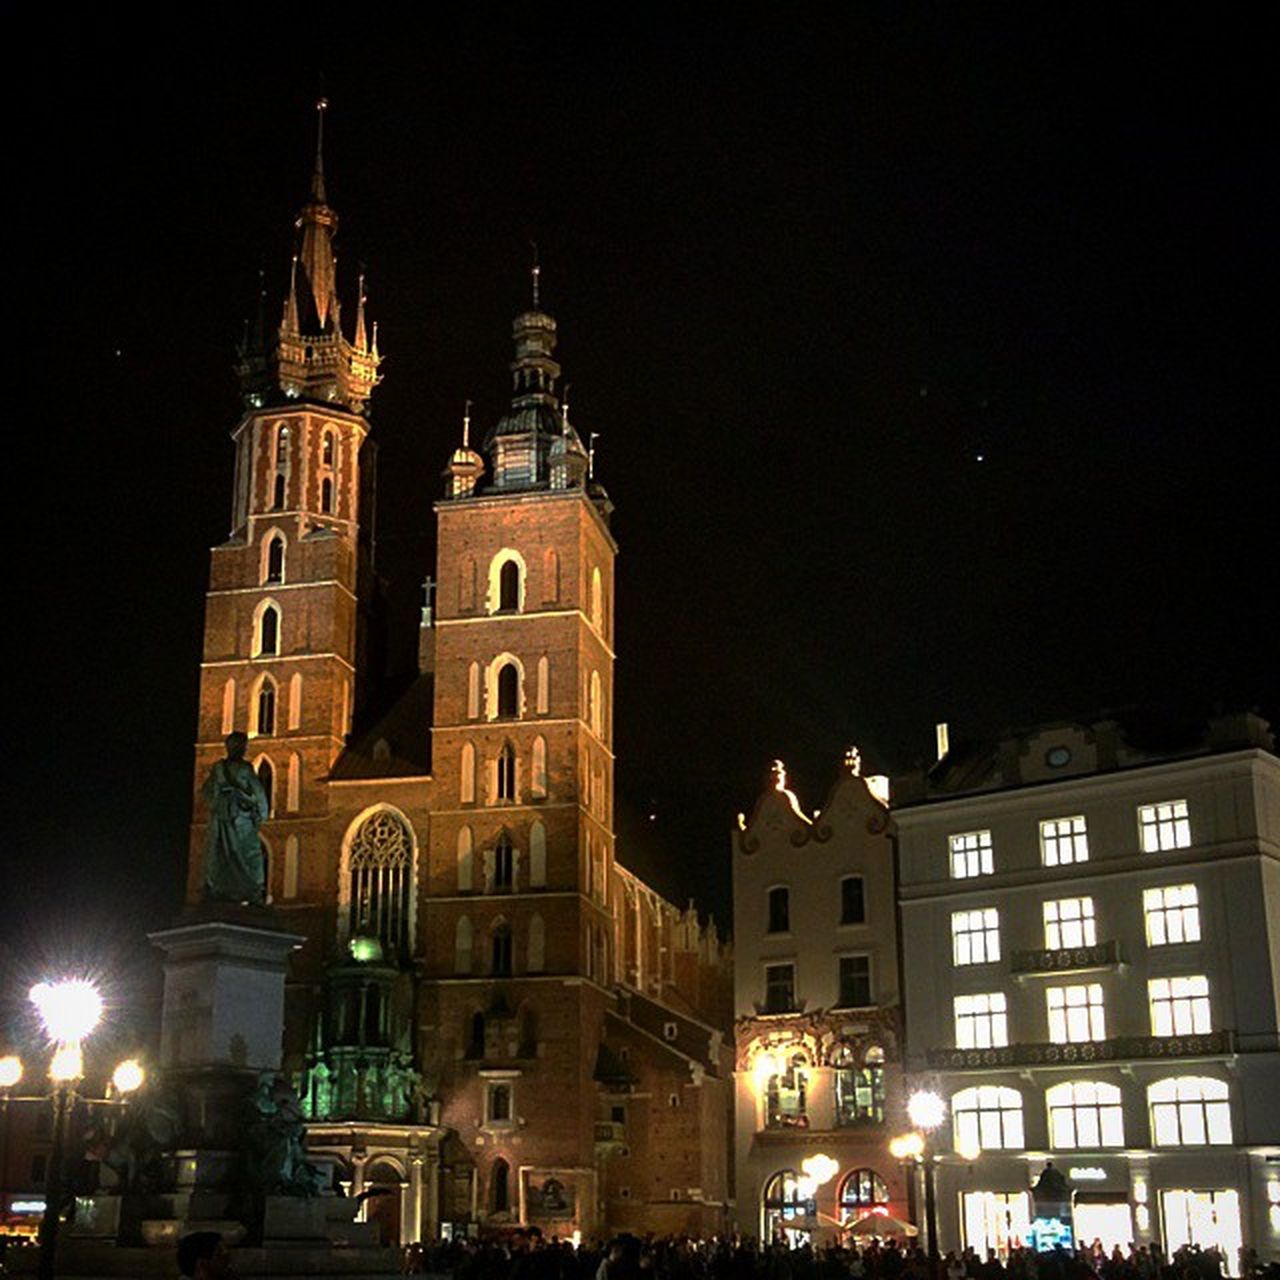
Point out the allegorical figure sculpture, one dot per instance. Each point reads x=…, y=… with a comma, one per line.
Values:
x=234, y=865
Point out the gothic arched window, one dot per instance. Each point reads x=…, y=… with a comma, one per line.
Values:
x=509, y=690
x=326, y=449
x=501, y=950
x=326, y=495
x=507, y=773
x=862, y=1189
x=282, y=447
x=265, y=724
x=275, y=559
x=277, y=492
x=504, y=858
x=269, y=631
x=267, y=776
x=379, y=864
x=509, y=585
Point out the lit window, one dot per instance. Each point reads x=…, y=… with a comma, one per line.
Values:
x=853, y=901
x=1076, y=1013
x=779, y=910
x=971, y=854
x=1063, y=840
x=1068, y=922
x=1085, y=1114
x=855, y=982
x=282, y=446
x=987, y=1117
x=1164, y=826
x=1179, y=1006
x=982, y=1021
x=786, y=1104
x=326, y=451
x=779, y=988
x=1173, y=914
x=862, y=1189
x=1189, y=1111
x=859, y=1090
x=975, y=936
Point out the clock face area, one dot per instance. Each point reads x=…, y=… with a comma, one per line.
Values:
x=1057, y=757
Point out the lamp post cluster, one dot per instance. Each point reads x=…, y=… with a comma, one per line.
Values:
x=926, y=1110
x=69, y=1011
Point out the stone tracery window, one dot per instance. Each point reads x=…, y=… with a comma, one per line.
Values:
x=379, y=864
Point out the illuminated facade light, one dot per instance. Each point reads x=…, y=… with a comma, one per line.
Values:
x=907, y=1146
x=10, y=1071
x=967, y=1146
x=820, y=1168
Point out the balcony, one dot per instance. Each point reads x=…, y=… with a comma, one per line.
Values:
x=1041, y=961
x=1214, y=1044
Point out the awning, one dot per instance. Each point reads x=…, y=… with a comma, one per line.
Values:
x=880, y=1224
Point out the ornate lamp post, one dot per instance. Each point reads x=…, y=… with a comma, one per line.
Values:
x=69, y=1011
x=927, y=1112
x=10, y=1075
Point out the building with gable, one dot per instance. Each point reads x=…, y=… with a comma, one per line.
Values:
x=818, y=1029
x=492, y=1021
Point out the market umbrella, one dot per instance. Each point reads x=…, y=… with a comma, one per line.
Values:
x=880, y=1224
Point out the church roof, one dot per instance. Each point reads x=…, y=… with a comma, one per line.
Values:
x=395, y=741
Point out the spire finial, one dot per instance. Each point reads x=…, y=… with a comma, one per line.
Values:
x=466, y=426
x=361, y=342
x=317, y=178
x=564, y=409
x=290, y=320
x=536, y=272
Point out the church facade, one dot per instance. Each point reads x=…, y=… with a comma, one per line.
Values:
x=492, y=1021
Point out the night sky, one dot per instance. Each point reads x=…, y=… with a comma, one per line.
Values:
x=932, y=359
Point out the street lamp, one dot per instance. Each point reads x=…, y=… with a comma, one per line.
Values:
x=927, y=1111
x=69, y=1011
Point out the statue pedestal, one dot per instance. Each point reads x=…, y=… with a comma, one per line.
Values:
x=224, y=972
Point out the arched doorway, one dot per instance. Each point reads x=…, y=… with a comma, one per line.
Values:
x=382, y=1187
x=788, y=1214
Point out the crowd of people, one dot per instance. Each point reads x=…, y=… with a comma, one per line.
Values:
x=530, y=1256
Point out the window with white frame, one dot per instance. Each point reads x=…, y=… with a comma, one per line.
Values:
x=1068, y=922
x=1179, y=1006
x=1076, y=1013
x=1085, y=1113
x=975, y=936
x=1190, y=1111
x=380, y=884
x=1173, y=914
x=1166, y=825
x=971, y=854
x=987, y=1117
x=982, y=1021
x=1062, y=841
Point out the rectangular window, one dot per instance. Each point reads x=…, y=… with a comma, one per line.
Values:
x=1179, y=1006
x=853, y=902
x=498, y=1104
x=1063, y=840
x=1164, y=826
x=1076, y=1013
x=975, y=936
x=971, y=854
x=779, y=910
x=1068, y=922
x=779, y=988
x=855, y=982
x=1173, y=914
x=982, y=1021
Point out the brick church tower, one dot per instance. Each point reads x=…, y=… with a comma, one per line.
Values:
x=492, y=1022
x=280, y=640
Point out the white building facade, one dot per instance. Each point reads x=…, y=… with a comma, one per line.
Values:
x=1091, y=972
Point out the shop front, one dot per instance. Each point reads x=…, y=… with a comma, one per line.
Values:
x=1207, y=1218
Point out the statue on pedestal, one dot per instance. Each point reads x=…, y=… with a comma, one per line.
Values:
x=234, y=865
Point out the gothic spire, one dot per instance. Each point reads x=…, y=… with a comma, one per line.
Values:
x=318, y=224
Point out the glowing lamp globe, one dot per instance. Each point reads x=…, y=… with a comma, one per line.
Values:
x=128, y=1076
x=820, y=1169
x=10, y=1071
x=926, y=1109
x=67, y=1063
x=968, y=1147
x=68, y=1009
x=906, y=1146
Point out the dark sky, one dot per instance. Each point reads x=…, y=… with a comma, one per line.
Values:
x=932, y=358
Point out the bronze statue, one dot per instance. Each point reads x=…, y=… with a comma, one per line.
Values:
x=234, y=865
